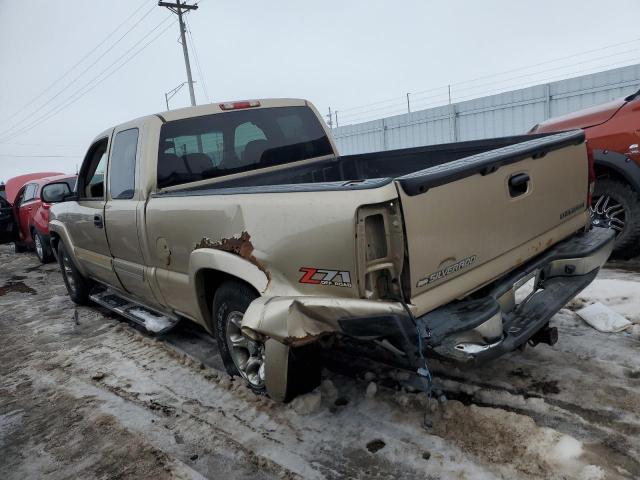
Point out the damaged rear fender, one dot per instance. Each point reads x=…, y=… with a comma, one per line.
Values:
x=296, y=321
x=208, y=259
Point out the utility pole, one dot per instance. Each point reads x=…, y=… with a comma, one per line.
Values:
x=336, y=114
x=408, y=104
x=330, y=117
x=177, y=8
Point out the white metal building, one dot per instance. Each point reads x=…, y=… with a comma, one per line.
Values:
x=508, y=113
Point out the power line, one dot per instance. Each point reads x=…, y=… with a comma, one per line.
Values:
x=76, y=78
x=419, y=103
x=538, y=72
x=606, y=47
x=552, y=78
x=71, y=100
x=444, y=87
x=87, y=55
x=366, y=116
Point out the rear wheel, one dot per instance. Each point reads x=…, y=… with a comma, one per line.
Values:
x=246, y=358
x=616, y=206
x=43, y=249
x=77, y=286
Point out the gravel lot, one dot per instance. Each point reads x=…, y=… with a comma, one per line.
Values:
x=84, y=394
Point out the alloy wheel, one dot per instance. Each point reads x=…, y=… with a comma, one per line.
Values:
x=39, y=247
x=247, y=355
x=607, y=212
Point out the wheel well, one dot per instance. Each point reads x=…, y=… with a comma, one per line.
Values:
x=207, y=281
x=54, y=238
x=604, y=171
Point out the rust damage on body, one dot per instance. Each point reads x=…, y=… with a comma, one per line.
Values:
x=238, y=245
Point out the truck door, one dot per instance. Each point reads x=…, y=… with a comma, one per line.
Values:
x=8, y=226
x=25, y=204
x=124, y=215
x=85, y=220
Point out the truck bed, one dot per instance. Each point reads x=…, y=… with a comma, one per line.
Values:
x=416, y=168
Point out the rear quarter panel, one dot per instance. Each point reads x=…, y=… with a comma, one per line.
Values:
x=288, y=231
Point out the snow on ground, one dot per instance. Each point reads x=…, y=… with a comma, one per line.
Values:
x=91, y=396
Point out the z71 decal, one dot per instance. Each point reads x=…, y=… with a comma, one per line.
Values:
x=320, y=276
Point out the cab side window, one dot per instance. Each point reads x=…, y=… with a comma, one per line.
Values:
x=92, y=174
x=123, y=164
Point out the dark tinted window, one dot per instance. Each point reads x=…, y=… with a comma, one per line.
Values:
x=221, y=144
x=90, y=182
x=122, y=168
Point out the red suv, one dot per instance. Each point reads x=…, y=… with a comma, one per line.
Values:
x=613, y=133
x=31, y=212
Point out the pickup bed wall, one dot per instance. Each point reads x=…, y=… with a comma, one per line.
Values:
x=367, y=170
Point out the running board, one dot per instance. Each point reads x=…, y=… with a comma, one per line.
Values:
x=153, y=321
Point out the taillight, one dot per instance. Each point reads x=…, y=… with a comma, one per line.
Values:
x=592, y=174
x=239, y=105
x=46, y=206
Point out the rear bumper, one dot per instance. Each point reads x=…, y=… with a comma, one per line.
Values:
x=487, y=326
x=474, y=331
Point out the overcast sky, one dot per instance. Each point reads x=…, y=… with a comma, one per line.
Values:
x=342, y=54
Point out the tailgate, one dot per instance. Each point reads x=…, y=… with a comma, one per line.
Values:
x=471, y=220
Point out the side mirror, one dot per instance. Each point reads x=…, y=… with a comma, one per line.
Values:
x=55, y=192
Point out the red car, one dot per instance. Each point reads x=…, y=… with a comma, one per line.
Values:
x=613, y=133
x=31, y=213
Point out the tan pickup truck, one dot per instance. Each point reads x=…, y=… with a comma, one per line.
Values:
x=242, y=217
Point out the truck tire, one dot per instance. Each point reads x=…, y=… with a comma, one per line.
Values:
x=43, y=249
x=610, y=194
x=78, y=287
x=244, y=357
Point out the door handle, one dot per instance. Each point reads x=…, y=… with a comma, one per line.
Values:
x=97, y=221
x=519, y=184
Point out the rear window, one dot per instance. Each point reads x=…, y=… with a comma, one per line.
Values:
x=221, y=144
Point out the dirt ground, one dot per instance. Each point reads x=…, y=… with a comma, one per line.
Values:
x=84, y=394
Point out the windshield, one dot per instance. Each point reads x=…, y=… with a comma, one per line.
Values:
x=221, y=144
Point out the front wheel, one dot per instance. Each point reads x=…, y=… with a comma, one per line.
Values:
x=78, y=287
x=43, y=249
x=616, y=206
x=293, y=370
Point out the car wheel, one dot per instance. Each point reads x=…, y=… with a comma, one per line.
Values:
x=78, y=287
x=245, y=357
x=616, y=205
x=42, y=247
